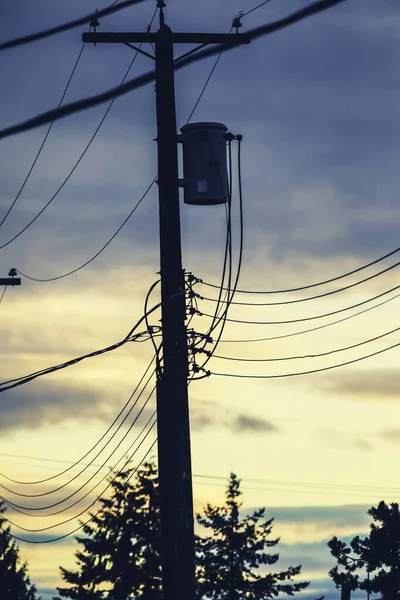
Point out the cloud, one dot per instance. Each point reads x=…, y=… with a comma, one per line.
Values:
x=207, y=414
x=391, y=435
x=48, y=403
x=375, y=384
x=334, y=438
x=244, y=423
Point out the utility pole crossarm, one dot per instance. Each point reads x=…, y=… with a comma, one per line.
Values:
x=10, y=281
x=229, y=39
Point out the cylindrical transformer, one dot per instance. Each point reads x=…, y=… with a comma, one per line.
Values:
x=205, y=173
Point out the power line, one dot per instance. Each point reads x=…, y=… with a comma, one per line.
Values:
x=90, y=260
x=12, y=383
x=253, y=9
x=278, y=337
x=247, y=479
x=314, y=317
x=79, y=461
x=305, y=483
x=3, y=293
x=279, y=490
x=21, y=509
x=21, y=189
x=148, y=77
x=33, y=37
x=240, y=258
x=323, y=295
x=98, y=512
x=61, y=186
x=314, y=355
x=65, y=484
x=311, y=371
x=67, y=274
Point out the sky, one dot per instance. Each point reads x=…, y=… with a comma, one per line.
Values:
x=317, y=105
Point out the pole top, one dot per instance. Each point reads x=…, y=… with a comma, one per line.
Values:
x=161, y=5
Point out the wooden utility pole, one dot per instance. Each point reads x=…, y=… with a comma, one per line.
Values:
x=174, y=461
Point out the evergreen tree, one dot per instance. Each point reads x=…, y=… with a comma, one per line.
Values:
x=231, y=560
x=121, y=550
x=379, y=553
x=14, y=581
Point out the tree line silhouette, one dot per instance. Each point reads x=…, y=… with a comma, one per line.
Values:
x=119, y=554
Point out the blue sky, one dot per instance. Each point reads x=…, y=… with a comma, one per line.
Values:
x=317, y=105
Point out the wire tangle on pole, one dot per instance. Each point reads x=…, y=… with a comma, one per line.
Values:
x=220, y=318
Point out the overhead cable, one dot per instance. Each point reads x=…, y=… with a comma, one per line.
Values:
x=314, y=317
x=40, y=35
x=61, y=186
x=12, y=383
x=313, y=355
x=244, y=14
x=224, y=317
x=25, y=181
x=82, y=524
x=311, y=371
x=323, y=295
x=148, y=77
x=87, y=262
x=78, y=462
x=21, y=508
x=301, y=332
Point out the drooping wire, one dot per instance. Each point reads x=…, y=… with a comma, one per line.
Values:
x=3, y=293
x=90, y=260
x=21, y=508
x=227, y=262
x=148, y=77
x=11, y=383
x=311, y=371
x=224, y=317
x=323, y=295
x=25, y=181
x=76, y=463
x=313, y=355
x=227, y=270
x=64, y=182
x=33, y=37
x=314, y=317
x=79, y=461
x=301, y=332
x=150, y=329
x=61, y=537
